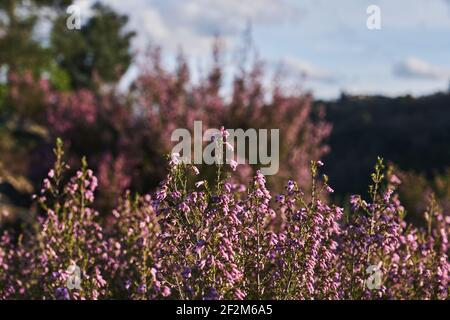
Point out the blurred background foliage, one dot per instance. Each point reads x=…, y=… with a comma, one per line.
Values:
x=66, y=85
x=412, y=133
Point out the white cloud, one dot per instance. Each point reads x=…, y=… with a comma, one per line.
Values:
x=413, y=67
x=307, y=70
x=192, y=24
x=228, y=17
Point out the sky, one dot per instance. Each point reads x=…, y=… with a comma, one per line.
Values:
x=323, y=44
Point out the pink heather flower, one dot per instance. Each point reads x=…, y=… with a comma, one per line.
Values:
x=329, y=189
x=355, y=202
x=184, y=207
x=395, y=179
x=89, y=196
x=175, y=158
x=51, y=173
x=387, y=195
x=196, y=171
x=320, y=163
x=224, y=132
x=239, y=295
x=153, y=273
x=94, y=183
x=47, y=184
x=290, y=185
x=233, y=165
x=199, y=183
x=166, y=292
x=227, y=187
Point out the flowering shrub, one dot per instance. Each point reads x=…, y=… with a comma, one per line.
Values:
x=133, y=132
x=194, y=239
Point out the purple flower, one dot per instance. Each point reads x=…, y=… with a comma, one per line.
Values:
x=184, y=207
x=62, y=294
x=212, y=294
x=142, y=289
x=355, y=202
x=187, y=272
x=233, y=165
x=290, y=185
x=140, y=242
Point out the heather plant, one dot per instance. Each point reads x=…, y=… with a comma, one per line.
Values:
x=66, y=235
x=69, y=234
x=198, y=239
x=413, y=262
x=132, y=249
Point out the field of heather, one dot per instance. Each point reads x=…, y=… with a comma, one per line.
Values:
x=135, y=166
x=224, y=241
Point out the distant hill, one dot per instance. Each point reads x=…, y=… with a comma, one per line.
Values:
x=413, y=133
